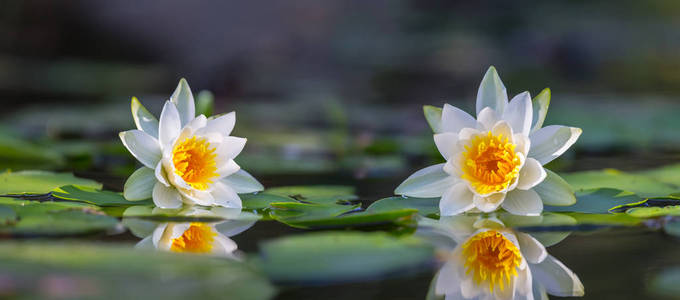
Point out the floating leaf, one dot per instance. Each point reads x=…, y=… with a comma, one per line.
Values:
x=93, y=196
x=641, y=185
x=303, y=214
x=654, y=211
x=425, y=206
x=341, y=256
x=117, y=271
x=55, y=218
x=597, y=201
x=39, y=182
x=320, y=194
x=261, y=201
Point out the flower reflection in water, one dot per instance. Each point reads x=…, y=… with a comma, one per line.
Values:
x=484, y=259
x=205, y=231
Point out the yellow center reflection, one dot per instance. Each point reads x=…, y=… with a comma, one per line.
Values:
x=198, y=238
x=490, y=163
x=492, y=259
x=194, y=161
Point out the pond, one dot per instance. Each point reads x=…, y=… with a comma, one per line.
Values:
x=327, y=223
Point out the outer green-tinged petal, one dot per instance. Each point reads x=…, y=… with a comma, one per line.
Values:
x=139, y=185
x=540, y=109
x=491, y=92
x=166, y=197
x=184, y=100
x=242, y=182
x=550, y=142
x=433, y=115
x=555, y=191
x=142, y=146
x=523, y=203
x=144, y=120
x=454, y=119
x=170, y=125
x=426, y=183
x=518, y=113
x=557, y=279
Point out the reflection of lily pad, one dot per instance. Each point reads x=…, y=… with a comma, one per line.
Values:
x=341, y=256
x=39, y=182
x=120, y=272
x=55, y=218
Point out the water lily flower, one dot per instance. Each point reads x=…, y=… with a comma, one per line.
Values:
x=490, y=261
x=495, y=160
x=187, y=158
x=211, y=238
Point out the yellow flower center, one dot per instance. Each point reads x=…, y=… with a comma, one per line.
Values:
x=490, y=163
x=492, y=258
x=194, y=161
x=198, y=238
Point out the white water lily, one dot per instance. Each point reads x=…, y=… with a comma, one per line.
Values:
x=489, y=261
x=187, y=158
x=495, y=160
x=211, y=238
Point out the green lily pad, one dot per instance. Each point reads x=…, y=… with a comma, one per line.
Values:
x=597, y=201
x=319, y=194
x=39, y=270
x=341, y=257
x=93, y=196
x=55, y=219
x=425, y=206
x=39, y=182
x=640, y=184
x=261, y=201
x=302, y=214
x=619, y=219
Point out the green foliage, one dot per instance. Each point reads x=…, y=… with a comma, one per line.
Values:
x=39, y=182
x=641, y=184
x=93, y=196
x=424, y=206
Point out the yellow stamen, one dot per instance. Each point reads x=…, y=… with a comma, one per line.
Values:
x=194, y=161
x=492, y=258
x=490, y=163
x=198, y=238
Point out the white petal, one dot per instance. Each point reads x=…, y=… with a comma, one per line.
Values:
x=523, y=203
x=184, y=100
x=199, y=122
x=159, y=173
x=230, y=147
x=447, y=143
x=540, y=106
x=454, y=119
x=193, y=196
x=555, y=191
x=169, y=125
x=523, y=285
x=491, y=92
x=223, y=124
x=448, y=279
x=139, y=185
x=223, y=246
x=166, y=197
x=225, y=196
x=550, y=142
x=142, y=146
x=503, y=129
x=557, y=279
x=227, y=169
x=522, y=143
x=144, y=120
x=456, y=200
x=486, y=119
x=532, y=249
x=234, y=227
x=519, y=113
x=488, y=203
x=426, y=183
x=467, y=133
x=454, y=166
x=531, y=174
x=242, y=182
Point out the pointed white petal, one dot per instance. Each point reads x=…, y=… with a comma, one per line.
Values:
x=230, y=147
x=557, y=279
x=199, y=122
x=503, y=129
x=242, y=182
x=523, y=203
x=488, y=203
x=540, y=109
x=234, y=227
x=491, y=92
x=456, y=200
x=550, y=142
x=223, y=124
x=454, y=166
x=448, y=279
x=223, y=246
x=139, y=185
x=169, y=125
x=486, y=119
x=454, y=119
x=554, y=190
x=184, y=100
x=225, y=196
x=159, y=173
x=228, y=168
x=142, y=146
x=522, y=143
x=467, y=133
x=144, y=120
x=426, y=183
x=532, y=249
x=193, y=196
x=519, y=113
x=447, y=143
x=166, y=197
x=531, y=174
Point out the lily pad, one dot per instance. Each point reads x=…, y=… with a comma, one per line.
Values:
x=425, y=206
x=597, y=201
x=41, y=270
x=640, y=184
x=261, y=201
x=39, y=182
x=93, y=196
x=302, y=214
x=320, y=194
x=342, y=257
